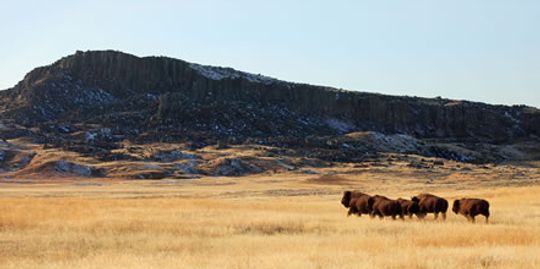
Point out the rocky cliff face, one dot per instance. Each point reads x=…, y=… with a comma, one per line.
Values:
x=167, y=99
x=90, y=102
x=224, y=101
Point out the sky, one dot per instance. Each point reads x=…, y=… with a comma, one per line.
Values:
x=477, y=50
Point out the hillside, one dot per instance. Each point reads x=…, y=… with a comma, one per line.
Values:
x=108, y=113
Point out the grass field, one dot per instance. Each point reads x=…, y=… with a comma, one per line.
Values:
x=264, y=222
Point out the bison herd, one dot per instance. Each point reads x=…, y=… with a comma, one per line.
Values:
x=420, y=205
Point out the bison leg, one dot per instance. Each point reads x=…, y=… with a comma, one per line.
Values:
x=443, y=215
x=436, y=215
x=487, y=219
x=352, y=210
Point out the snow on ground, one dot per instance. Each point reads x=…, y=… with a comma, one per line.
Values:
x=394, y=142
x=339, y=125
x=219, y=73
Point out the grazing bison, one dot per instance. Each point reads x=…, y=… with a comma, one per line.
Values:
x=408, y=207
x=357, y=202
x=470, y=208
x=430, y=203
x=383, y=206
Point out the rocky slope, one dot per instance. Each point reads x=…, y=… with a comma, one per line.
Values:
x=93, y=103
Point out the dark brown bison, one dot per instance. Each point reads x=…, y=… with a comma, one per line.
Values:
x=408, y=207
x=430, y=203
x=358, y=203
x=383, y=206
x=471, y=207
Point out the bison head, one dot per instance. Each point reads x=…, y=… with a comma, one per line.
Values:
x=415, y=199
x=370, y=203
x=456, y=206
x=346, y=200
x=414, y=208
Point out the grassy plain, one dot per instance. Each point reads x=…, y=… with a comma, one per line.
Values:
x=269, y=221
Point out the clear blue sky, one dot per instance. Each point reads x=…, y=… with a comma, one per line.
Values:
x=478, y=50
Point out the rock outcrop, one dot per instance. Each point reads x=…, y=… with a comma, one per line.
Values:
x=90, y=102
x=160, y=90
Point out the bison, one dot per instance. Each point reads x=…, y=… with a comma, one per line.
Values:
x=430, y=203
x=408, y=207
x=357, y=202
x=471, y=207
x=383, y=206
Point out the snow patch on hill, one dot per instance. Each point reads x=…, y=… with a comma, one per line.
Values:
x=219, y=73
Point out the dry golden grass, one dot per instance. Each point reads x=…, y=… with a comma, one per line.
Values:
x=272, y=222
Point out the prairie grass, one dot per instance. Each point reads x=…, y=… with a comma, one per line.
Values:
x=89, y=227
